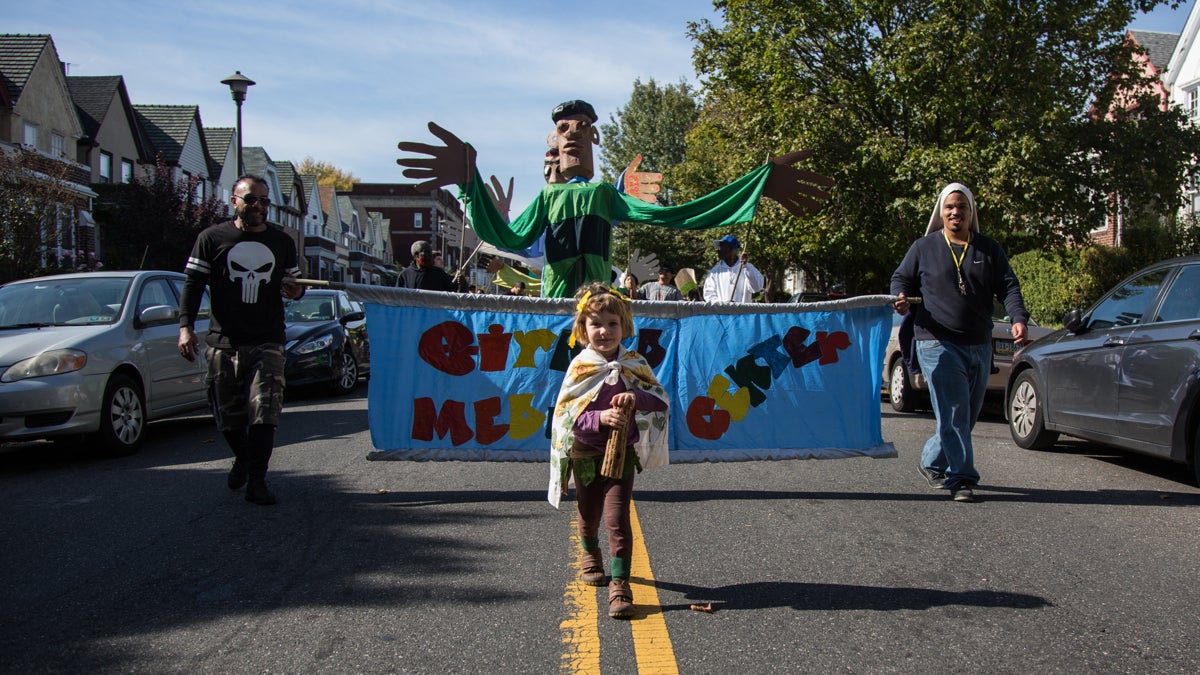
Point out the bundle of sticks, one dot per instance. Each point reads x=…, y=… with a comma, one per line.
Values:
x=613, y=465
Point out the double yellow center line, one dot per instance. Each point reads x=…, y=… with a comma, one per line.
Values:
x=580, y=629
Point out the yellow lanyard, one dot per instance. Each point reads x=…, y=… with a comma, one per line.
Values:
x=958, y=259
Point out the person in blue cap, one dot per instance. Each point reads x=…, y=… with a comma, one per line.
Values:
x=733, y=279
x=576, y=216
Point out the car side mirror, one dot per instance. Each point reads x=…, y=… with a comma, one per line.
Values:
x=158, y=314
x=353, y=316
x=1073, y=321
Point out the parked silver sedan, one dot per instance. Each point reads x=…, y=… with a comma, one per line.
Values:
x=94, y=353
x=1126, y=372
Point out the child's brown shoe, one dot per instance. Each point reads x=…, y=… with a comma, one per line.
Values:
x=620, y=599
x=591, y=568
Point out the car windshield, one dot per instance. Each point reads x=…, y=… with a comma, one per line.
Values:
x=63, y=302
x=312, y=307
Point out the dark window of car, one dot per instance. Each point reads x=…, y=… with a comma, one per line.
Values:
x=344, y=305
x=177, y=284
x=1127, y=304
x=1183, y=297
x=154, y=293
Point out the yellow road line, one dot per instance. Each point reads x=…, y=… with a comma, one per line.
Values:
x=651, y=642
x=580, y=634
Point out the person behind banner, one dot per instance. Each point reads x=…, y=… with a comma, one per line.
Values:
x=664, y=289
x=957, y=272
x=424, y=273
x=629, y=286
x=601, y=380
x=733, y=279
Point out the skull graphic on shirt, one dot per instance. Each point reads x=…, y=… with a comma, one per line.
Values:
x=250, y=264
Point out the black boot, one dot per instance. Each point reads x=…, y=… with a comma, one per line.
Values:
x=240, y=470
x=261, y=441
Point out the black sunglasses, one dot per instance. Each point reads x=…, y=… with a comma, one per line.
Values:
x=251, y=200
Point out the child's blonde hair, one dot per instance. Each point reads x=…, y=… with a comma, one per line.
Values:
x=595, y=298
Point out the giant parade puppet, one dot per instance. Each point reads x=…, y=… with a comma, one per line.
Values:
x=475, y=377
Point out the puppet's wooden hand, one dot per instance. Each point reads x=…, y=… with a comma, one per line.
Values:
x=798, y=190
x=502, y=201
x=641, y=185
x=494, y=265
x=449, y=164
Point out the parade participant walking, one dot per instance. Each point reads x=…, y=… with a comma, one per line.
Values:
x=957, y=272
x=663, y=289
x=602, y=388
x=247, y=266
x=424, y=273
x=730, y=270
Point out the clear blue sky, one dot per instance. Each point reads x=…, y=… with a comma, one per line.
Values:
x=343, y=82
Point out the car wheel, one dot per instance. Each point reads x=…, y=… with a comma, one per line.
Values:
x=349, y=378
x=900, y=392
x=122, y=416
x=1027, y=414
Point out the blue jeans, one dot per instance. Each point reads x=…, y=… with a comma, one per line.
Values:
x=957, y=377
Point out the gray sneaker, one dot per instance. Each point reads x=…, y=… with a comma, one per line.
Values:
x=963, y=494
x=936, y=480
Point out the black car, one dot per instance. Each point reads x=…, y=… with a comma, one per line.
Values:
x=326, y=340
x=1126, y=372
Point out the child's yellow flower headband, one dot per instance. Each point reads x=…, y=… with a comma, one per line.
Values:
x=583, y=305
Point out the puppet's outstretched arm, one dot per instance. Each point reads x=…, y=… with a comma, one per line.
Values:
x=449, y=164
x=798, y=190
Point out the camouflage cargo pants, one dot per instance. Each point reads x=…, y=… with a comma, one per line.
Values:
x=245, y=385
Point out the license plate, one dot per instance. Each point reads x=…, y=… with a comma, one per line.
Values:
x=1004, y=347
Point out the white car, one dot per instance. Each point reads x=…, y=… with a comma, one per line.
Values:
x=95, y=354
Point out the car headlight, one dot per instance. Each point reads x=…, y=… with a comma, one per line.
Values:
x=314, y=345
x=54, y=362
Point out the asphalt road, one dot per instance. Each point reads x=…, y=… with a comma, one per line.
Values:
x=1077, y=560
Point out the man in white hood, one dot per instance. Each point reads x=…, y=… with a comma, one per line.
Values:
x=957, y=272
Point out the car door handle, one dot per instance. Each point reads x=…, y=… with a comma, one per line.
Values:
x=1195, y=335
x=1114, y=341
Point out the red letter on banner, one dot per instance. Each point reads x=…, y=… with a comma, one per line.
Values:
x=449, y=347
x=705, y=421
x=452, y=419
x=486, y=430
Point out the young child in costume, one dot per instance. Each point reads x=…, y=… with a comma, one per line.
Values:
x=600, y=380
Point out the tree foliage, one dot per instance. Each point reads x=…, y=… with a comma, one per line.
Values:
x=653, y=123
x=1014, y=98
x=152, y=222
x=327, y=174
x=34, y=201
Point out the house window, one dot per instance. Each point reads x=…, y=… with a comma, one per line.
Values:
x=31, y=134
x=1192, y=103
x=417, y=221
x=126, y=171
x=58, y=146
x=105, y=167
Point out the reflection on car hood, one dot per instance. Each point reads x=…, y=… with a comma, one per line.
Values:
x=20, y=344
x=302, y=329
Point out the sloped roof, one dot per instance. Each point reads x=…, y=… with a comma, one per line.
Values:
x=218, y=140
x=256, y=159
x=287, y=178
x=310, y=186
x=18, y=56
x=1158, y=45
x=167, y=127
x=92, y=97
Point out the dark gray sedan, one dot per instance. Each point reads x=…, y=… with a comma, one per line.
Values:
x=1126, y=372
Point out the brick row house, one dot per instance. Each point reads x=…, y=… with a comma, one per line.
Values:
x=90, y=131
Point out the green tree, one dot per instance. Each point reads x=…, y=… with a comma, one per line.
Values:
x=653, y=123
x=152, y=222
x=327, y=174
x=34, y=202
x=899, y=97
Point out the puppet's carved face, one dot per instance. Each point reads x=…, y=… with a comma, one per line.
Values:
x=576, y=135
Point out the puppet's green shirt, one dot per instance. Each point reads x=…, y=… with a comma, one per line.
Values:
x=578, y=217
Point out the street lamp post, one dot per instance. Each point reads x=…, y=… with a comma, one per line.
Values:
x=238, y=84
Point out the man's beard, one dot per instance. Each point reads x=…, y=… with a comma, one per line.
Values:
x=252, y=218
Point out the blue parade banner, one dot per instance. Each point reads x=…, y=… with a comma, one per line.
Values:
x=469, y=377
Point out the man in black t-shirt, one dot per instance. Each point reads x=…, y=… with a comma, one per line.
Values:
x=248, y=267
